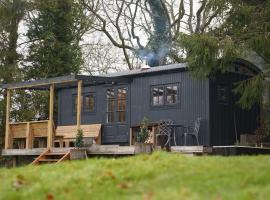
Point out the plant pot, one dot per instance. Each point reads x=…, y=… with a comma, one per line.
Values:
x=88, y=141
x=77, y=154
x=143, y=148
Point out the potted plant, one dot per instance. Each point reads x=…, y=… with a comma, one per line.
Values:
x=78, y=152
x=142, y=136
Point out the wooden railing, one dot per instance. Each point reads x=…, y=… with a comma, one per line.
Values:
x=25, y=132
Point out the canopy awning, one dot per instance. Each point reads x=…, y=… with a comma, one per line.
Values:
x=64, y=82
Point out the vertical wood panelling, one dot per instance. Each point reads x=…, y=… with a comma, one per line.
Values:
x=194, y=102
x=79, y=104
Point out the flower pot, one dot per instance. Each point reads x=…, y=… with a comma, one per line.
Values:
x=77, y=154
x=143, y=148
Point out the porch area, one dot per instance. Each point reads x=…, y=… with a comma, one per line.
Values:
x=32, y=137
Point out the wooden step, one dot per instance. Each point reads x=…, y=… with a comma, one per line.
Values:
x=56, y=153
x=49, y=156
x=48, y=160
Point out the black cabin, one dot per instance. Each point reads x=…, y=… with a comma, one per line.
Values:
x=164, y=92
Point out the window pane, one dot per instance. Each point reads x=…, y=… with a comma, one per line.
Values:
x=121, y=116
x=121, y=105
x=110, y=105
x=110, y=117
x=158, y=95
x=171, y=94
x=89, y=105
x=122, y=93
x=110, y=93
x=75, y=99
x=222, y=94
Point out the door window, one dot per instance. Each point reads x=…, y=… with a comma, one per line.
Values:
x=116, y=105
x=110, y=105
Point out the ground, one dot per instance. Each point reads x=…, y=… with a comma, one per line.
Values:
x=157, y=176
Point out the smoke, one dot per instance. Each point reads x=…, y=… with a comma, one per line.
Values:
x=159, y=44
x=155, y=57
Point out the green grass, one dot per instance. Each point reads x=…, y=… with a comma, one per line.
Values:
x=157, y=176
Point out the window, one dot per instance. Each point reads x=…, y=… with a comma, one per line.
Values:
x=116, y=105
x=110, y=105
x=171, y=94
x=121, y=104
x=165, y=94
x=75, y=100
x=158, y=96
x=88, y=103
x=222, y=94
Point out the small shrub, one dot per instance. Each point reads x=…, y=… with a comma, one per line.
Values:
x=79, y=138
x=144, y=133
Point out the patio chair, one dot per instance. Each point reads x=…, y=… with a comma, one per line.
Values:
x=164, y=129
x=193, y=131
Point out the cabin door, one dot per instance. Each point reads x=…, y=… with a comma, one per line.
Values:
x=116, y=125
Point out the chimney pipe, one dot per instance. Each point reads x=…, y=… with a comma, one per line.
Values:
x=144, y=65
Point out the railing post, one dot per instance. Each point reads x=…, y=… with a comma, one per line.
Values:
x=29, y=137
x=79, y=104
x=50, y=122
x=7, y=134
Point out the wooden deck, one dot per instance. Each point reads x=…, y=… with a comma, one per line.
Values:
x=131, y=150
x=221, y=150
x=191, y=150
x=93, y=150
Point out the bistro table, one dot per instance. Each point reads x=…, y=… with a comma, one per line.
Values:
x=174, y=127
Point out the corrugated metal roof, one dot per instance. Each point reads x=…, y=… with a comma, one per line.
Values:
x=146, y=71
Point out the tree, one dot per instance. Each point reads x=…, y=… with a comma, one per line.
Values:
x=149, y=29
x=243, y=31
x=55, y=30
x=11, y=14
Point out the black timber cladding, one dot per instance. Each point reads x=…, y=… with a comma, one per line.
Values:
x=193, y=102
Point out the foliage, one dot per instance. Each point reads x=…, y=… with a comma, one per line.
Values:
x=242, y=29
x=55, y=31
x=157, y=176
x=216, y=54
x=79, y=138
x=11, y=14
x=144, y=133
x=251, y=91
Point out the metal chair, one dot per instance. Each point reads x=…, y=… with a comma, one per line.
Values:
x=193, y=131
x=164, y=129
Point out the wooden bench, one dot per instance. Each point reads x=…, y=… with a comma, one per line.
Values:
x=67, y=134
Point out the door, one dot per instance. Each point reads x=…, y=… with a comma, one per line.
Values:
x=116, y=125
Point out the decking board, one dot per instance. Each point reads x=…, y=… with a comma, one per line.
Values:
x=93, y=150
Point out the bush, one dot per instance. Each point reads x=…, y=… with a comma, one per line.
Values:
x=144, y=133
x=79, y=138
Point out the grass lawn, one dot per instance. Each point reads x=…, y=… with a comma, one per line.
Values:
x=157, y=176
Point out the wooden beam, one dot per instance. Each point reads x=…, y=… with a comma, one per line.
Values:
x=130, y=136
x=7, y=134
x=50, y=122
x=79, y=104
x=29, y=136
x=14, y=161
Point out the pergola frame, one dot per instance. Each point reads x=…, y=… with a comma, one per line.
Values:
x=52, y=84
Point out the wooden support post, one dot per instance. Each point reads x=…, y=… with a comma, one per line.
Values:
x=130, y=137
x=50, y=122
x=79, y=104
x=14, y=161
x=29, y=137
x=8, y=142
